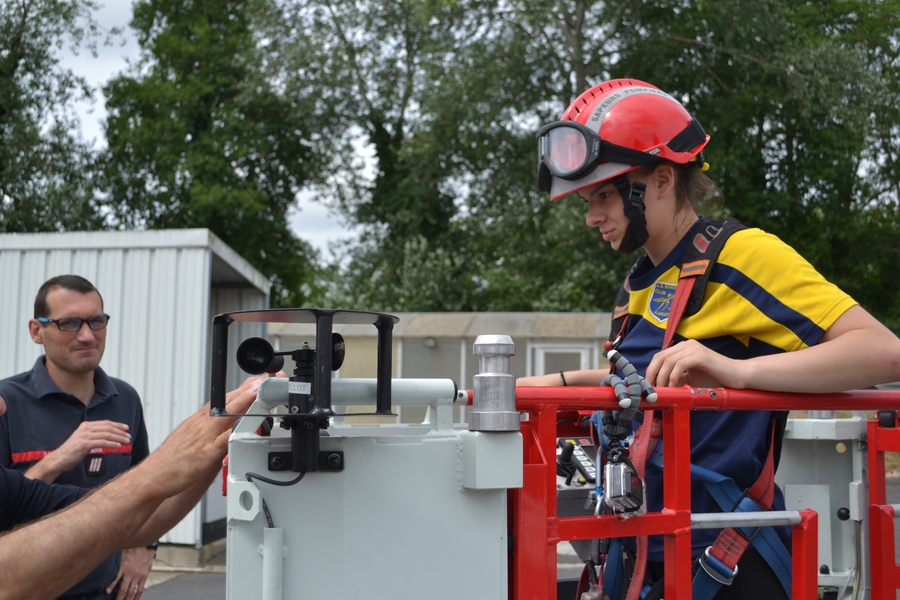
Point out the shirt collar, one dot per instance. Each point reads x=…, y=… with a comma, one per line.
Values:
x=45, y=386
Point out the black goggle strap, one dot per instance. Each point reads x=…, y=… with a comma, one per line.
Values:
x=689, y=138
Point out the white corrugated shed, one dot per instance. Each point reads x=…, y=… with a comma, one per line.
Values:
x=162, y=290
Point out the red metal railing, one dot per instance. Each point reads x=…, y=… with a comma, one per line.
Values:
x=554, y=412
x=885, y=570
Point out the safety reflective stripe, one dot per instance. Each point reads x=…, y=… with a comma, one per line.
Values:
x=694, y=269
x=33, y=455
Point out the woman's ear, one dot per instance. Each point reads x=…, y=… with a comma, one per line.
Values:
x=664, y=175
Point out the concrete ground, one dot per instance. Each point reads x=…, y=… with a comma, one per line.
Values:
x=186, y=574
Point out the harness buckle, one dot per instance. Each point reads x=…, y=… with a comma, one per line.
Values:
x=713, y=572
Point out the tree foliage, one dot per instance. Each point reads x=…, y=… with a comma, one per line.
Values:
x=800, y=100
x=415, y=120
x=795, y=97
x=197, y=138
x=46, y=181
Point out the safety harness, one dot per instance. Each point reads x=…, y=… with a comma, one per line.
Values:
x=718, y=564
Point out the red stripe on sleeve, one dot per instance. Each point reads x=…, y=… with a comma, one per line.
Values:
x=33, y=455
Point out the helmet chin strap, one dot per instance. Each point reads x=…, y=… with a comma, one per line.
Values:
x=633, y=197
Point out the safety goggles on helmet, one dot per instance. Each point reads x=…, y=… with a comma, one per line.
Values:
x=569, y=150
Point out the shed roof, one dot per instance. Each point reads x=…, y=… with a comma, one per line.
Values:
x=228, y=267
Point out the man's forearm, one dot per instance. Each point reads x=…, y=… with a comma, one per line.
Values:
x=170, y=512
x=74, y=540
x=45, y=469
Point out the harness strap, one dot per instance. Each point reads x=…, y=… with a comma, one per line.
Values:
x=718, y=565
x=686, y=280
x=648, y=434
x=645, y=439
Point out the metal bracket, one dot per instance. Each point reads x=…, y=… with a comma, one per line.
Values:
x=329, y=460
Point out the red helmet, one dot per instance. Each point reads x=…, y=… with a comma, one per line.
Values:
x=613, y=128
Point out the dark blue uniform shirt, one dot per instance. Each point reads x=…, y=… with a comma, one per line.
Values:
x=40, y=417
x=23, y=500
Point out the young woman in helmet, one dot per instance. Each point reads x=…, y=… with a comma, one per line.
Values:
x=767, y=321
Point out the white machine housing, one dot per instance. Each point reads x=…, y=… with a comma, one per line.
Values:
x=418, y=511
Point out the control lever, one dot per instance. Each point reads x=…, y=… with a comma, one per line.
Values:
x=565, y=463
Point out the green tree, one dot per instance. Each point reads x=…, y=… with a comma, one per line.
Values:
x=800, y=98
x=46, y=181
x=199, y=138
x=446, y=97
x=369, y=66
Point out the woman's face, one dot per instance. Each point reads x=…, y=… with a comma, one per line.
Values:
x=606, y=212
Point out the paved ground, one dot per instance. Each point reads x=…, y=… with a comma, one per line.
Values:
x=194, y=586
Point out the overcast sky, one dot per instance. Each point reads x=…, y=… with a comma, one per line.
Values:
x=311, y=223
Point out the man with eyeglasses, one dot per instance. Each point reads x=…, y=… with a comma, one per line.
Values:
x=69, y=423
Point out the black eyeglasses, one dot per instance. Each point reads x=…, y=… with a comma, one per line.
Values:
x=74, y=323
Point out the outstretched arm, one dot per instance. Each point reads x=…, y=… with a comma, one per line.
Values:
x=44, y=559
x=856, y=352
x=585, y=377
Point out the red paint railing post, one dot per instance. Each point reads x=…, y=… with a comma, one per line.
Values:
x=804, y=557
x=677, y=499
x=881, y=552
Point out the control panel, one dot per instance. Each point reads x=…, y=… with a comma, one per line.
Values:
x=575, y=461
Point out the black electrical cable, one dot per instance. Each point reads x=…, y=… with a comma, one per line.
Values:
x=265, y=507
x=268, y=514
x=251, y=476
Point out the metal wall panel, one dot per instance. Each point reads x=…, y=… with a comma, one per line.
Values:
x=107, y=267
x=10, y=264
x=228, y=299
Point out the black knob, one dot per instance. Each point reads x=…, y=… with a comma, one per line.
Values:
x=568, y=449
x=843, y=513
x=824, y=570
x=887, y=418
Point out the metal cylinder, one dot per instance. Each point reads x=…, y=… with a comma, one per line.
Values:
x=821, y=414
x=494, y=390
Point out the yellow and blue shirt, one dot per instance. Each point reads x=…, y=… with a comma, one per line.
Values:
x=762, y=298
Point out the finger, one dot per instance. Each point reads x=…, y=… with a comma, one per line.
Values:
x=112, y=586
x=239, y=400
x=678, y=374
x=666, y=370
x=105, y=424
x=656, y=364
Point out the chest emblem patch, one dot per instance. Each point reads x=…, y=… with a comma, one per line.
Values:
x=95, y=465
x=661, y=300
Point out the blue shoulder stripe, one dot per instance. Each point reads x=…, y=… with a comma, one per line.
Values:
x=769, y=305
